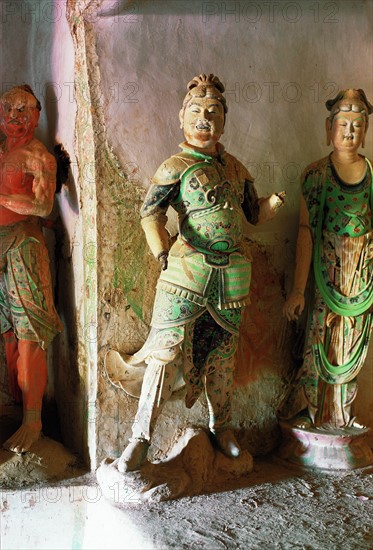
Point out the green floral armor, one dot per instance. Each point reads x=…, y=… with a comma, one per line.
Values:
x=210, y=214
x=206, y=268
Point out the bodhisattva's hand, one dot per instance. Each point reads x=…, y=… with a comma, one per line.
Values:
x=163, y=259
x=294, y=305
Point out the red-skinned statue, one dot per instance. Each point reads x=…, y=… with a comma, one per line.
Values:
x=28, y=319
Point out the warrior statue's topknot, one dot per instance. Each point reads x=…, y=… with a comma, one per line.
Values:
x=206, y=80
x=206, y=85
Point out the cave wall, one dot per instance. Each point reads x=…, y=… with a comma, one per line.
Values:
x=279, y=62
x=111, y=76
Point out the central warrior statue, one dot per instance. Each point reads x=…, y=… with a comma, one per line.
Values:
x=205, y=278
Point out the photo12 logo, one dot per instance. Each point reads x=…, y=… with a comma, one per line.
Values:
x=31, y=12
x=273, y=91
x=269, y=12
x=51, y=11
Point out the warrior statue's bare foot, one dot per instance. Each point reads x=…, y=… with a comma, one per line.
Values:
x=23, y=439
x=227, y=443
x=133, y=456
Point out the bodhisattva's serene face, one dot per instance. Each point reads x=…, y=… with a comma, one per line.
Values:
x=348, y=131
x=18, y=114
x=203, y=122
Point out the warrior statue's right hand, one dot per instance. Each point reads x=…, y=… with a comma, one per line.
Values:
x=163, y=259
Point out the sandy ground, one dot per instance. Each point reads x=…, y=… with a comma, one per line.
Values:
x=275, y=506
x=278, y=508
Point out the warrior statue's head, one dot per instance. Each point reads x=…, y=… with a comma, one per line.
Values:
x=202, y=115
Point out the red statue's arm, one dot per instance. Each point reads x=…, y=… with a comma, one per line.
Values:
x=42, y=166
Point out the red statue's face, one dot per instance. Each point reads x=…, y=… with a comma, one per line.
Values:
x=203, y=122
x=348, y=130
x=18, y=114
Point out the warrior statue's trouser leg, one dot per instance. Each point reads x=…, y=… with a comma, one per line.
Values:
x=157, y=387
x=219, y=384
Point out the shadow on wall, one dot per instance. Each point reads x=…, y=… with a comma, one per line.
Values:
x=69, y=400
x=68, y=362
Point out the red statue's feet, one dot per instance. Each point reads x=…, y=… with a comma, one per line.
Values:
x=22, y=440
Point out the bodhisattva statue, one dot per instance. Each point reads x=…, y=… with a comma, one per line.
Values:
x=335, y=235
x=205, y=279
x=28, y=319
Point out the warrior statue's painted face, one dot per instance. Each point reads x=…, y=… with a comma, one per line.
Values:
x=348, y=130
x=19, y=115
x=203, y=122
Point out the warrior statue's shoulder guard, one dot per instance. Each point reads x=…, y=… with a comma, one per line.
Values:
x=171, y=170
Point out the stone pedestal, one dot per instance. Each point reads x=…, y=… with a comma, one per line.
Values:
x=344, y=449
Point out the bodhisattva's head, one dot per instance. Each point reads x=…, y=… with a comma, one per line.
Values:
x=347, y=124
x=19, y=112
x=202, y=115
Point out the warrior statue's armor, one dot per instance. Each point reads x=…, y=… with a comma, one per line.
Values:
x=210, y=195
